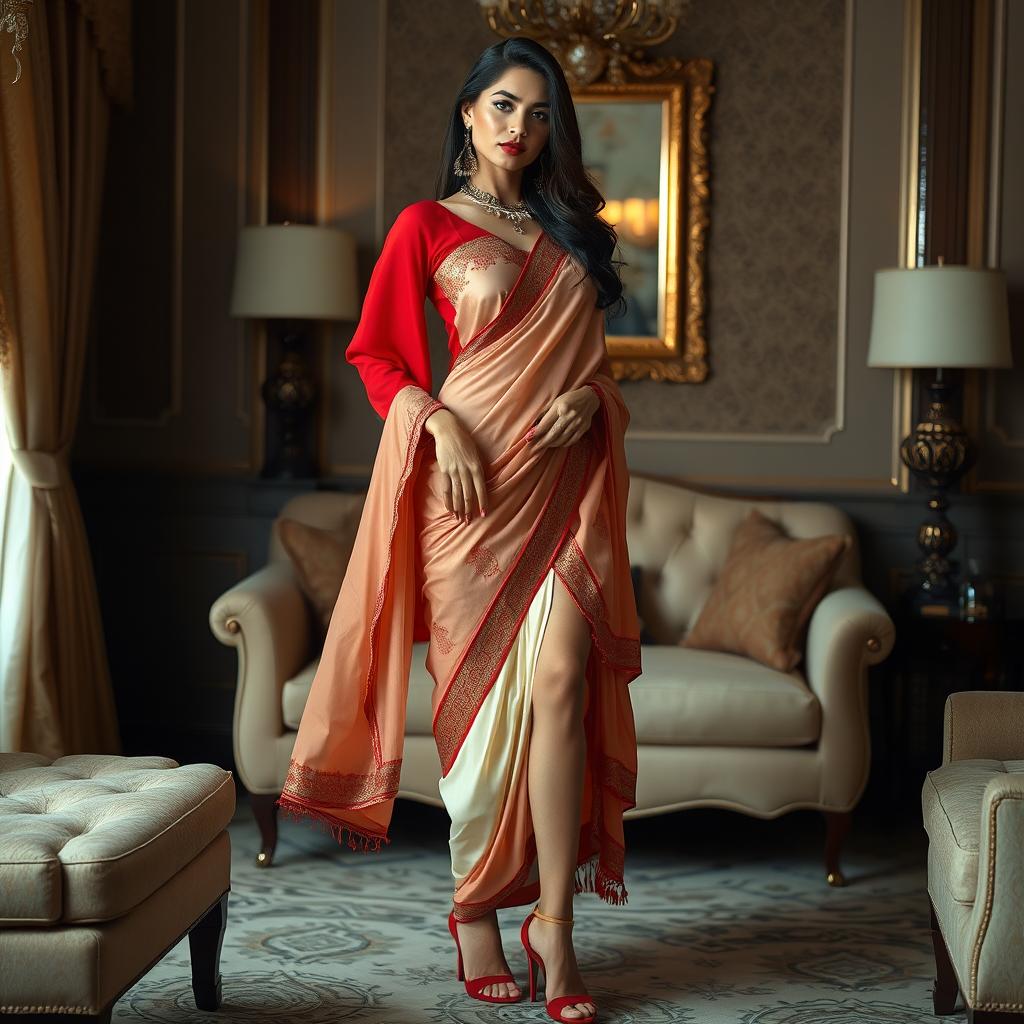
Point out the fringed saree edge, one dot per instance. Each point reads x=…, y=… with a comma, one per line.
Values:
x=345, y=833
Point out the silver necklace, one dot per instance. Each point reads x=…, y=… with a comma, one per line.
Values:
x=493, y=205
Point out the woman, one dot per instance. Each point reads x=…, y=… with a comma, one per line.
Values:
x=494, y=527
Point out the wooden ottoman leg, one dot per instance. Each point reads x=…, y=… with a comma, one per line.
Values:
x=265, y=811
x=837, y=824
x=945, y=987
x=204, y=941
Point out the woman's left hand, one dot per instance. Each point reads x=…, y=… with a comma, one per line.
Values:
x=567, y=419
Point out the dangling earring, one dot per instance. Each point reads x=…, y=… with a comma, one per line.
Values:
x=539, y=181
x=465, y=163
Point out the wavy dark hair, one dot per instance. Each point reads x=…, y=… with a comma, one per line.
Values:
x=567, y=207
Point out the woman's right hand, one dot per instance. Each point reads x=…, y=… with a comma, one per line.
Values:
x=459, y=461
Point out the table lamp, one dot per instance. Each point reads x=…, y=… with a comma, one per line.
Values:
x=939, y=317
x=293, y=272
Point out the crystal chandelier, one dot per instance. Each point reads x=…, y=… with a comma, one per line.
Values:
x=592, y=38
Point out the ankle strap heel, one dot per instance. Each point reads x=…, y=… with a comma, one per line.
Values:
x=548, y=917
x=556, y=1005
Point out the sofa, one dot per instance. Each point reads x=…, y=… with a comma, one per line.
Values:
x=973, y=811
x=713, y=729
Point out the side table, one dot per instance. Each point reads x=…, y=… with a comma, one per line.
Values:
x=933, y=658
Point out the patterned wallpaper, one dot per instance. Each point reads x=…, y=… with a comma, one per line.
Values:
x=775, y=153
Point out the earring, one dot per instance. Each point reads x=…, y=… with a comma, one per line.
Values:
x=465, y=163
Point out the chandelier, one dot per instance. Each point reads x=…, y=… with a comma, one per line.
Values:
x=592, y=38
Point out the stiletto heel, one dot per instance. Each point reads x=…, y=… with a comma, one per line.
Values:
x=475, y=986
x=534, y=960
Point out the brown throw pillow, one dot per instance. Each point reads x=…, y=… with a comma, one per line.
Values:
x=767, y=590
x=320, y=558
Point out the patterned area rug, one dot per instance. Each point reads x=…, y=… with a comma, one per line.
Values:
x=729, y=921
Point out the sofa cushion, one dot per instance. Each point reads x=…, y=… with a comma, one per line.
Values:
x=320, y=558
x=705, y=698
x=89, y=836
x=682, y=697
x=951, y=801
x=764, y=596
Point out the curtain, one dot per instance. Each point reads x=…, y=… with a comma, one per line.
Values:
x=61, y=64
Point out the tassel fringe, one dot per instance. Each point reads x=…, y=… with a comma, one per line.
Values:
x=343, y=834
x=592, y=877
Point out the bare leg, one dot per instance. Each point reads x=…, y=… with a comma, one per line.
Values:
x=557, y=751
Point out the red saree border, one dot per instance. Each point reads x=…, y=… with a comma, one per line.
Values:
x=618, y=652
x=484, y=655
x=343, y=832
x=349, y=790
x=543, y=262
x=619, y=780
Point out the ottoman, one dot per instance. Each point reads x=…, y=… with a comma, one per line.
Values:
x=106, y=863
x=973, y=808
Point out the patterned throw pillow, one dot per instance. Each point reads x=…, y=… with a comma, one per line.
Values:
x=767, y=590
x=320, y=558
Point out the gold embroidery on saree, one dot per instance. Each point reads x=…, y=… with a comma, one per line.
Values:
x=619, y=651
x=547, y=257
x=452, y=275
x=479, y=666
x=342, y=789
x=483, y=561
x=441, y=638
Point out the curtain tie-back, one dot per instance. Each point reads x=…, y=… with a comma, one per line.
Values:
x=42, y=469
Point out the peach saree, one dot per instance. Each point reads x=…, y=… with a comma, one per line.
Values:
x=555, y=517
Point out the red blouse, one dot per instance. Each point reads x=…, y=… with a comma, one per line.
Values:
x=390, y=347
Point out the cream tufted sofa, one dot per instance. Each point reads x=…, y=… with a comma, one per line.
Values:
x=713, y=729
x=105, y=864
x=973, y=809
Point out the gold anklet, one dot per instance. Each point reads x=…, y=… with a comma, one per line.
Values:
x=547, y=917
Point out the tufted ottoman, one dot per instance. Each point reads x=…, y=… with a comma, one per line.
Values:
x=973, y=807
x=105, y=864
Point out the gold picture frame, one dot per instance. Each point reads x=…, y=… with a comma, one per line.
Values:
x=665, y=123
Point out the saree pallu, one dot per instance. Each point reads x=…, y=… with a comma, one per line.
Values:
x=483, y=590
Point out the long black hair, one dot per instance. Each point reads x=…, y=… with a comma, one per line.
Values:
x=568, y=205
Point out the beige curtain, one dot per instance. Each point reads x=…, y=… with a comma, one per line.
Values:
x=60, y=68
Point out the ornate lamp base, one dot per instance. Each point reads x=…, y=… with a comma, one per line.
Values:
x=938, y=452
x=289, y=392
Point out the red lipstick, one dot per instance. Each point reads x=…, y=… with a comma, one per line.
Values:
x=512, y=148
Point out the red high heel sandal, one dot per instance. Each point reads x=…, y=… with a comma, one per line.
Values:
x=557, y=1005
x=475, y=986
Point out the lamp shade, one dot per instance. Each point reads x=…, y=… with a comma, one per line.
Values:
x=295, y=271
x=940, y=316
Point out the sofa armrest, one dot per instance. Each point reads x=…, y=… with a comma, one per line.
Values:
x=983, y=723
x=993, y=974
x=266, y=618
x=849, y=630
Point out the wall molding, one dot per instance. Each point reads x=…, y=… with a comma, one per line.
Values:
x=837, y=425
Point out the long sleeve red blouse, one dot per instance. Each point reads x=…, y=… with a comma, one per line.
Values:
x=390, y=348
